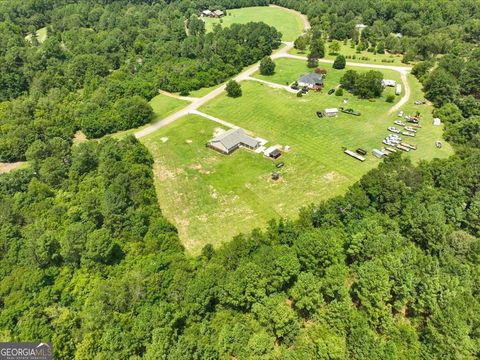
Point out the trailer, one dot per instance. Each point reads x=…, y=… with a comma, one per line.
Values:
x=390, y=149
x=354, y=155
x=404, y=148
x=413, y=147
x=398, y=89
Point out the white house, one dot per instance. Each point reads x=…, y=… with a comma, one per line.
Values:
x=398, y=89
x=387, y=82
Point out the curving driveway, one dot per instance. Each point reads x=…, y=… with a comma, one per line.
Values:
x=196, y=103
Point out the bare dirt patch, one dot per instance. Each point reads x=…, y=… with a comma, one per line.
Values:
x=7, y=167
x=332, y=176
x=79, y=137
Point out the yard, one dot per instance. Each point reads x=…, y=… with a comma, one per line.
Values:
x=212, y=197
x=362, y=57
x=287, y=22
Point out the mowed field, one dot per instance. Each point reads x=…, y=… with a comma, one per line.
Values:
x=211, y=197
x=287, y=22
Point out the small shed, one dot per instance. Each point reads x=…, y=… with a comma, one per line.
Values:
x=398, y=89
x=331, y=112
x=377, y=153
x=437, y=122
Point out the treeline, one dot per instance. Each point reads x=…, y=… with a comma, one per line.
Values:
x=390, y=270
x=424, y=28
x=102, y=63
x=452, y=83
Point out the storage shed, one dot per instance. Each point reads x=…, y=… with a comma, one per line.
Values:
x=331, y=112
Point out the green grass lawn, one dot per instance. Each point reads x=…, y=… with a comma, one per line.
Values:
x=288, y=23
x=41, y=35
x=289, y=70
x=208, y=196
x=346, y=50
x=211, y=197
x=162, y=106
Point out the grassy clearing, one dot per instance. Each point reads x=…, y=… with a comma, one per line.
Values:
x=346, y=50
x=162, y=106
x=211, y=197
x=201, y=191
x=288, y=23
x=41, y=35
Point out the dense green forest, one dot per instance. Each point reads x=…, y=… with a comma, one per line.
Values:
x=390, y=270
x=100, y=64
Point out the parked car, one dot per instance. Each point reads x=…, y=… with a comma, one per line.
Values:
x=412, y=119
x=331, y=91
x=398, y=122
x=419, y=102
x=409, y=128
x=406, y=133
x=393, y=129
x=319, y=114
x=400, y=114
x=361, y=151
x=280, y=165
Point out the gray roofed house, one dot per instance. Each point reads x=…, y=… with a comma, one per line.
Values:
x=311, y=80
x=231, y=140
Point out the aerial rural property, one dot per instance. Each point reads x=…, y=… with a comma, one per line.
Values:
x=240, y=180
x=202, y=191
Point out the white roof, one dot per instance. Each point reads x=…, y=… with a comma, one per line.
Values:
x=208, y=12
x=270, y=150
x=331, y=110
x=388, y=82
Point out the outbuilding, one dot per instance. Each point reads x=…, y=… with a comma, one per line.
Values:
x=331, y=112
x=398, y=89
x=272, y=152
x=437, y=122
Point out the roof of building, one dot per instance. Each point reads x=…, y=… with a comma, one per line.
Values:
x=331, y=110
x=388, y=82
x=311, y=78
x=207, y=12
x=218, y=12
x=232, y=138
